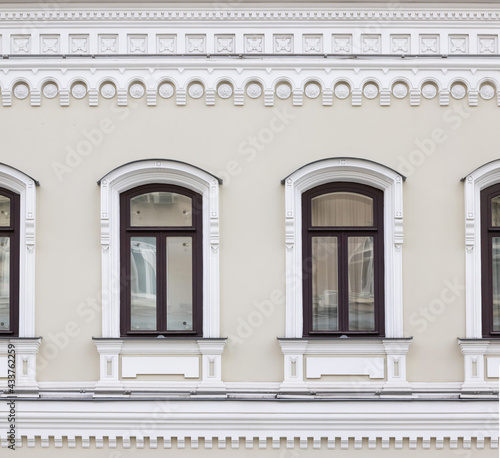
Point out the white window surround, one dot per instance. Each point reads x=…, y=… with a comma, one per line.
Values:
x=475, y=348
x=159, y=171
x=26, y=343
x=348, y=170
x=20, y=183
x=111, y=347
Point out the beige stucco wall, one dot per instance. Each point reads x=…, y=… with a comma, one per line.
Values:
x=36, y=140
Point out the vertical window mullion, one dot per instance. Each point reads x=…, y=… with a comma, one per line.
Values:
x=161, y=283
x=343, y=284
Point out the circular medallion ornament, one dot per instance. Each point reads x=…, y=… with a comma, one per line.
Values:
x=458, y=91
x=429, y=91
x=108, y=91
x=254, y=90
x=79, y=91
x=136, y=90
x=225, y=90
x=487, y=91
x=50, y=90
x=400, y=90
x=283, y=91
x=196, y=90
x=312, y=90
x=370, y=91
x=342, y=91
x=166, y=90
x=21, y=91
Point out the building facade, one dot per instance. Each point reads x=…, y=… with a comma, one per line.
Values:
x=249, y=229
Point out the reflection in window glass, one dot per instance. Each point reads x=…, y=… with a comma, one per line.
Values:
x=179, y=283
x=361, y=284
x=495, y=211
x=4, y=283
x=143, y=283
x=495, y=242
x=161, y=209
x=325, y=284
x=4, y=211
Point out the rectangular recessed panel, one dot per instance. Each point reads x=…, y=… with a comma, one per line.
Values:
x=493, y=367
x=188, y=366
x=3, y=367
x=317, y=367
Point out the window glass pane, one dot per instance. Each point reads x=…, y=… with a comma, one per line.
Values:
x=361, y=284
x=325, y=284
x=342, y=209
x=4, y=283
x=495, y=211
x=143, y=283
x=4, y=211
x=179, y=284
x=496, y=282
x=161, y=209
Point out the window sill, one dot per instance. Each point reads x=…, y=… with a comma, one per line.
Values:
x=382, y=360
x=196, y=360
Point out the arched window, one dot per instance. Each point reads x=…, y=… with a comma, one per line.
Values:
x=343, y=260
x=490, y=260
x=161, y=252
x=9, y=262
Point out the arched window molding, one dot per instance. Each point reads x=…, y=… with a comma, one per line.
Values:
x=26, y=343
x=198, y=358
x=345, y=170
x=481, y=355
x=158, y=171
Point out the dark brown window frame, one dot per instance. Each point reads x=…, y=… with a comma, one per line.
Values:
x=377, y=231
x=487, y=233
x=13, y=231
x=194, y=231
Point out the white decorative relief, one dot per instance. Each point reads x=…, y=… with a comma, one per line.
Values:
x=225, y=90
x=487, y=91
x=458, y=91
x=400, y=44
x=79, y=91
x=26, y=353
x=49, y=44
x=283, y=91
x=136, y=90
x=254, y=43
x=79, y=44
x=429, y=91
x=108, y=44
x=196, y=91
x=493, y=367
x=429, y=44
x=312, y=44
x=50, y=90
x=166, y=44
x=400, y=90
x=21, y=91
x=283, y=44
x=370, y=91
x=342, y=91
x=166, y=90
x=313, y=90
x=108, y=90
x=487, y=44
x=188, y=366
x=254, y=90
x=224, y=44
x=137, y=44
x=370, y=44
x=195, y=44
x=342, y=44
x=317, y=367
x=20, y=44
x=457, y=45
